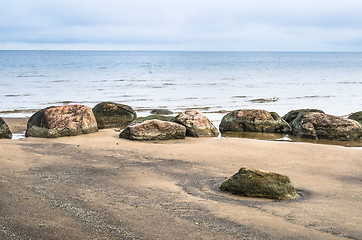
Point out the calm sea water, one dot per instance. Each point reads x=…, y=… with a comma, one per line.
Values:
x=213, y=82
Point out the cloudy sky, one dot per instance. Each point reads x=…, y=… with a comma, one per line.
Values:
x=241, y=25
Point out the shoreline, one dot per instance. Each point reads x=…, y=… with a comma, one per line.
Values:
x=18, y=128
x=100, y=186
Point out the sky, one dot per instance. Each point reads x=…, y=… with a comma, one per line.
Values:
x=195, y=25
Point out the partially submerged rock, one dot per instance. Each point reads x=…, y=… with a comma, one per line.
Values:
x=262, y=184
x=357, y=116
x=67, y=120
x=253, y=120
x=109, y=115
x=197, y=124
x=5, y=130
x=161, y=112
x=317, y=125
x=158, y=117
x=291, y=115
x=154, y=130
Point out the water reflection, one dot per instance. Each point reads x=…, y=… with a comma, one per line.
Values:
x=289, y=138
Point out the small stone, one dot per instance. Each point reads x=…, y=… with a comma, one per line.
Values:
x=161, y=112
x=357, y=116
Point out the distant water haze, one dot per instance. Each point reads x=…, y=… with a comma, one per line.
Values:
x=213, y=82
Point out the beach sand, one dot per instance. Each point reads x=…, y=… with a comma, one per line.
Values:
x=98, y=186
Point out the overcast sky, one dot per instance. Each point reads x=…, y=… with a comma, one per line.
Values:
x=241, y=25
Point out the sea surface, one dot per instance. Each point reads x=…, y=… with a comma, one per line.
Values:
x=213, y=82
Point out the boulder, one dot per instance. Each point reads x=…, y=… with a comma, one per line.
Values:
x=154, y=130
x=109, y=115
x=290, y=116
x=5, y=130
x=197, y=124
x=317, y=125
x=262, y=184
x=67, y=120
x=253, y=120
x=357, y=116
x=161, y=112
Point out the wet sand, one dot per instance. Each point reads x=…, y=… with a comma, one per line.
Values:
x=98, y=186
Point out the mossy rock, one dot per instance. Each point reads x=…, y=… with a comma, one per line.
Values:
x=161, y=112
x=250, y=182
x=357, y=116
x=5, y=130
x=291, y=115
x=109, y=115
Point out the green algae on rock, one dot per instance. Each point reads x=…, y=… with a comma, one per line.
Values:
x=5, y=130
x=253, y=120
x=109, y=115
x=250, y=182
x=357, y=116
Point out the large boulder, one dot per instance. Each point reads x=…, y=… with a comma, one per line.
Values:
x=323, y=126
x=253, y=120
x=5, y=130
x=154, y=130
x=262, y=184
x=357, y=116
x=197, y=124
x=109, y=115
x=67, y=120
x=151, y=117
x=291, y=115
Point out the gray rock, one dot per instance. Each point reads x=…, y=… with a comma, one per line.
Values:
x=317, y=125
x=290, y=116
x=154, y=130
x=109, y=115
x=5, y=130
x=67, y=120
x=357, y=116
x=258, y=183
x=253, y=120
x=161, y=112
x=197, y=124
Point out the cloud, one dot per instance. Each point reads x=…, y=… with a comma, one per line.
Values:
x=184, y=25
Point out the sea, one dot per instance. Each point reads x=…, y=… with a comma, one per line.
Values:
x=212, y=82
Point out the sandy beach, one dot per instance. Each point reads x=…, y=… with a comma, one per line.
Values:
x=98, y=186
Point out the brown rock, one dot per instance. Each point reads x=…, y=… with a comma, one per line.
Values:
x=253, y=120
x=323, y=126
x=154, y=130
x=197, y=124
x=5, y=130
x=67, y=120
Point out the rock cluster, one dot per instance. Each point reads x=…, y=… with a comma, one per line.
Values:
x=197, y=124
x=262, y=184
x=109, y=115
x=5, y=130
x=253, y=120
x=154, y=130
x=67, y=120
